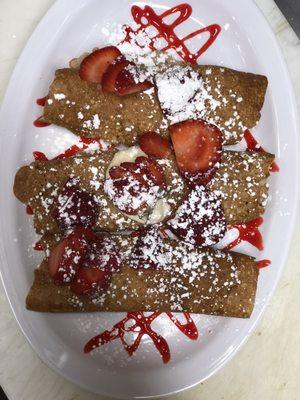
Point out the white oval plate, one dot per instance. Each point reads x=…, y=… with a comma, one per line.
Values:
x=70, y=28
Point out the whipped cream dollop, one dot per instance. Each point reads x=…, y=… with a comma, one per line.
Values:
x=160, y=209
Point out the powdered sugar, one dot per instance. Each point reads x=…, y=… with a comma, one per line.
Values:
x=182, y=94
x=133, y=196
x=200, y=219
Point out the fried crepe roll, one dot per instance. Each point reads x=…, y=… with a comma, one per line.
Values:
x=181, y=278
x=240, y=182
x=85, y=110
x=230, y=99
x=42, y=183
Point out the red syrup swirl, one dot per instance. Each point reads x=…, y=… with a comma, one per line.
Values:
x=252, y=145
x=141, y=325
x=189, y=328
x=248, y=232
x=167, y=31
x=263, y=263
x=71, y=151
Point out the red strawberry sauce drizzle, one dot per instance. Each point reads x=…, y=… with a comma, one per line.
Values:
x=71, y=151
x=248, y=232
x=42, y=101
x=263, y=263
x=29, y=210
x=142, y=326
x=39, y=156
x=252, y=145
x=167, y=31
x=38, y=123
x=38, y=246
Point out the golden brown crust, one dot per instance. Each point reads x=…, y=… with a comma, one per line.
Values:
x=207, y=292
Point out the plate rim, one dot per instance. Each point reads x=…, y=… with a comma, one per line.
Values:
x=292, y=101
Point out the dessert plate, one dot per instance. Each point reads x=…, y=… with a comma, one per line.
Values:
x=197, y=345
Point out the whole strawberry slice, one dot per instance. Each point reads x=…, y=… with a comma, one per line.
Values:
x=66, y=257
x=119, y=79
x=88, y=281
x=198, y=149
x=95, y=64
x=154, y=145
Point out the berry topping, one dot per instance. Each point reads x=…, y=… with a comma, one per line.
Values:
x=66, y=257
x=121, y=78
x=154, y=145
x=88, y=281
x=75, y=207
x=103, y=254
x=198, y=148
x=135, y=187
x=152, y=170
x=95, y=64
x=85, y=261
x=150, y=251
x=200, y=219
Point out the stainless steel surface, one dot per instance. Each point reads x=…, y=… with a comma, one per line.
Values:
x=291, y=11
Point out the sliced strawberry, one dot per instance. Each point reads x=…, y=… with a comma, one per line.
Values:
x=135, y=88
x=124, y=173
x=117, y=172
x=75, y=207
x=109, y=79
x=157, y=172
x=154, y=145
x=126, y=84
x=153, y=169
x=135, y=186
x=66, y=257
x=129, y=166
x=95, y=64
x=89, y=281
x=198, y=148
x=119, y=80
x=139, y=174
